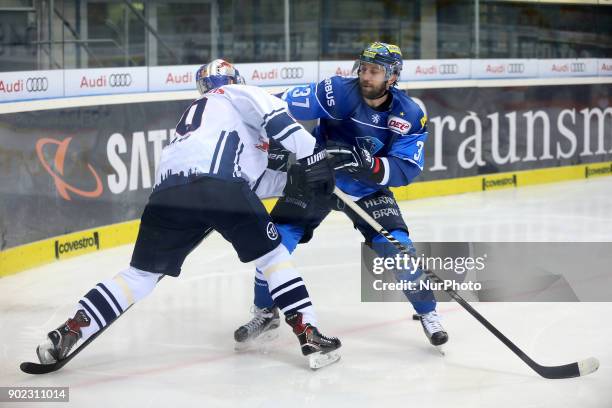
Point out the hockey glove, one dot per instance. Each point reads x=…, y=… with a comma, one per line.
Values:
x=311, y=175
x=355, y=160
x=278, y=156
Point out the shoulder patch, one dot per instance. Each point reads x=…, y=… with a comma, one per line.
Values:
x=398, y=125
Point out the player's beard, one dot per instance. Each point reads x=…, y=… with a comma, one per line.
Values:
x=372, y=91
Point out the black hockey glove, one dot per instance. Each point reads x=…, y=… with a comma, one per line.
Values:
x=311, y=175
x=278, y=156
x=355, y=160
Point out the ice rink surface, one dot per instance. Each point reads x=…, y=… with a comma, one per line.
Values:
x=175, y=348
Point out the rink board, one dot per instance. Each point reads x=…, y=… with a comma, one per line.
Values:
x=76, y=172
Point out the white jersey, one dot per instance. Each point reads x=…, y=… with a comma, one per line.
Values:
x=226, y=133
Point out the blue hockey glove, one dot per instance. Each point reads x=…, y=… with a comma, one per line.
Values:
x=355, y=160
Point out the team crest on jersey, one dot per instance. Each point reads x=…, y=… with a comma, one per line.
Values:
x=272, y=231
x=369, y=143
x=263, y=145
x=398, y=125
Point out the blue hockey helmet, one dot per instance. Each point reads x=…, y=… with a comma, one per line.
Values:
x=387, y=55
x=215, y=74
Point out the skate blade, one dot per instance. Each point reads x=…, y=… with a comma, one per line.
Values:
x=319, y=360
x=260, y=342
x=440, y=350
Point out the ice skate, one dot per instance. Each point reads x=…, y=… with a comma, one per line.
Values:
x=319, y=348
x=60, y=341
x=261, y=329
x=433, y=330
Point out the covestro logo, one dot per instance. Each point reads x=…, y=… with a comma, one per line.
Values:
x=86, y=243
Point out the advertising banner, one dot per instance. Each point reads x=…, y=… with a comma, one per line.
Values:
x=567, y=67
x=475, y=131
x=24, y=85
x=279, y=73
x=67, y=170
x=172, y=78
x=425, y=70
x=82, y=82
x=331, y=68
x=27, y=85
x=70, y=169
x=604, y=67
x=504, y=68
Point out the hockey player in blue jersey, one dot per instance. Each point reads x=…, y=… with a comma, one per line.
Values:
x=207, y=180
x=376, y=134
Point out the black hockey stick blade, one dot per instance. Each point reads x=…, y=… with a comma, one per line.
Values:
x=577, y=369
x=36, y=368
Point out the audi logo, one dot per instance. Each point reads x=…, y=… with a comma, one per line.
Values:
x=516, y=68
x=448, y=69
x=120, y=80
x=292, y=72
x=578, y=67
x=38, y=84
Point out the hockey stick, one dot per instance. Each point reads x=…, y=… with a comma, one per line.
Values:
x=577, y=369
x=37, y=368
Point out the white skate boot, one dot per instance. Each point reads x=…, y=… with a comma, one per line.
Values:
x=433, y=329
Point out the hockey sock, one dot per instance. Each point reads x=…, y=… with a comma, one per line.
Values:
x=422, y=300
x=290, y=236
x=262, y=292
x=287, y=288
x=110, y=298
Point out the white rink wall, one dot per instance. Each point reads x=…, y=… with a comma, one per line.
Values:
x=32, y=85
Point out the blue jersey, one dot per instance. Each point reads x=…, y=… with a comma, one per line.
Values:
x=397, y=135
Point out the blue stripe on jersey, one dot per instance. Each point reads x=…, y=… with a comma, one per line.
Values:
x=267, y=115
x=258, y=181
x=91, y=313
x=101, y=304
x=278, y=123
x=237, y=168
x=226, y=161
x=111, y=296
x=216, y=152
x=289, y=133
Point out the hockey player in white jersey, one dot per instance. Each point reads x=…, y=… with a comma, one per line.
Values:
x=204, y=182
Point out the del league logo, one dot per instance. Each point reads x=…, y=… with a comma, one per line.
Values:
x=398, y=125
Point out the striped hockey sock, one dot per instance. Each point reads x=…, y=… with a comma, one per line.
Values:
x=110, y=298
x=286, y=285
